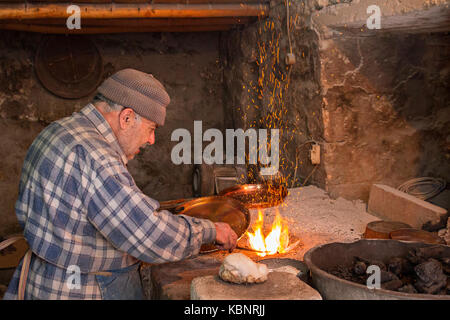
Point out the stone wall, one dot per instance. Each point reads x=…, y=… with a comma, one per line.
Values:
x=265, y=92
x=385, y=94
x=376, y=103
x=187, y=64
x=385, y=109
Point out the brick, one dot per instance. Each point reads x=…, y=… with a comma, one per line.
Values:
x=391, y=204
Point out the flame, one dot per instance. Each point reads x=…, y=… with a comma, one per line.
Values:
x=276, y=241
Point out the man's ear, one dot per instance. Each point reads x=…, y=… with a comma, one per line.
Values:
x=126, y=118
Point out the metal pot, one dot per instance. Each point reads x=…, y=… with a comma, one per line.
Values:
x=217, y=209
x=326, y=256
x=257, y=195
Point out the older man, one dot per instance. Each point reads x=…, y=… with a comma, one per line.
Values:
x=81, y=210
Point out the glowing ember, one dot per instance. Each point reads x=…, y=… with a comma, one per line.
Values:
x=276, y=241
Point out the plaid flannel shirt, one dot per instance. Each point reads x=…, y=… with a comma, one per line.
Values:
x=79, y=205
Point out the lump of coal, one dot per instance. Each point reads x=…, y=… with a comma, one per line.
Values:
x=392, y=285
x=380, y=264
x=359, y=268
x=431, y=278
x=420, y=255
x=446, y=265
x=395, y=265
x=436, y=252
x=371, y=262
x=409, y=288
x=386, y=276
x=422, y=270
x=399, y=266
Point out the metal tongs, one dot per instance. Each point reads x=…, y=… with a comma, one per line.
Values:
x=289, y=248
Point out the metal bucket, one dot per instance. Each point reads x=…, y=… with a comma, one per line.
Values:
x=329, y=255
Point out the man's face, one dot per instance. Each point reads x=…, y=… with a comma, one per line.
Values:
x=134, y=134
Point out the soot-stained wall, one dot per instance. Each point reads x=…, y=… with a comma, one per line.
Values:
x=187, y=64
x=264, y=92
x=385, y=109
x=377, y=105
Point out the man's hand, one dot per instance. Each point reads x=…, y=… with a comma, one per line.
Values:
x=226, y=238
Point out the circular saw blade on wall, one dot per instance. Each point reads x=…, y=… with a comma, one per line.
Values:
x=68, y=66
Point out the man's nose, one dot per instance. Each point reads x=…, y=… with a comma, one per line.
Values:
x=151, y=139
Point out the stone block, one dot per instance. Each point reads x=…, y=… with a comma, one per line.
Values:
x=171, y=281
x=279, y=286
x=391, y=204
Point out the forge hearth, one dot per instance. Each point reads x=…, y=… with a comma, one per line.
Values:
x=313, y=218
x=173, y=281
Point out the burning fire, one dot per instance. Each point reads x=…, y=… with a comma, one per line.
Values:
x=276, y=241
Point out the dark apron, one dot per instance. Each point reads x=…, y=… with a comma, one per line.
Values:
x=121, y=284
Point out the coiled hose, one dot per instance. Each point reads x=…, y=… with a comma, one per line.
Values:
x=416, y=187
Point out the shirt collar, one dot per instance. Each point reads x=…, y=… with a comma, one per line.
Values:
x=102, y=126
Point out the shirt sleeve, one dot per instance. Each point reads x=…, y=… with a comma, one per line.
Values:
x=129, y=220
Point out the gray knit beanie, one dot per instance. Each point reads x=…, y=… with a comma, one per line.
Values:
x=139, y=91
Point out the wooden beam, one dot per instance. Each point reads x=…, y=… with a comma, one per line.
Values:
x=395, y=16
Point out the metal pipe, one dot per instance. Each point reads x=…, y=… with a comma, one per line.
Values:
x=137, y=22
x=123, y=10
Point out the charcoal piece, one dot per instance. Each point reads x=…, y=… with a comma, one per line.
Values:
x=392, y=285
x=442, y=292
x=436, y=252
x=380, y=264
x=386, y=276
x=408, y=288
x=445, y=265
x=341, y=272
x=429, y=271
x=371, y=262
x=359, y=268
x=421, y=255
x=407, y=267
x=431, y=278
x=395, y=265
x=413, y=258
x=399, y=266
x=409, y=278
x=360, y=259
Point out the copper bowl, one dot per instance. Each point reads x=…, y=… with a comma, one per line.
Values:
x=217, y=209
x=257, y=195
